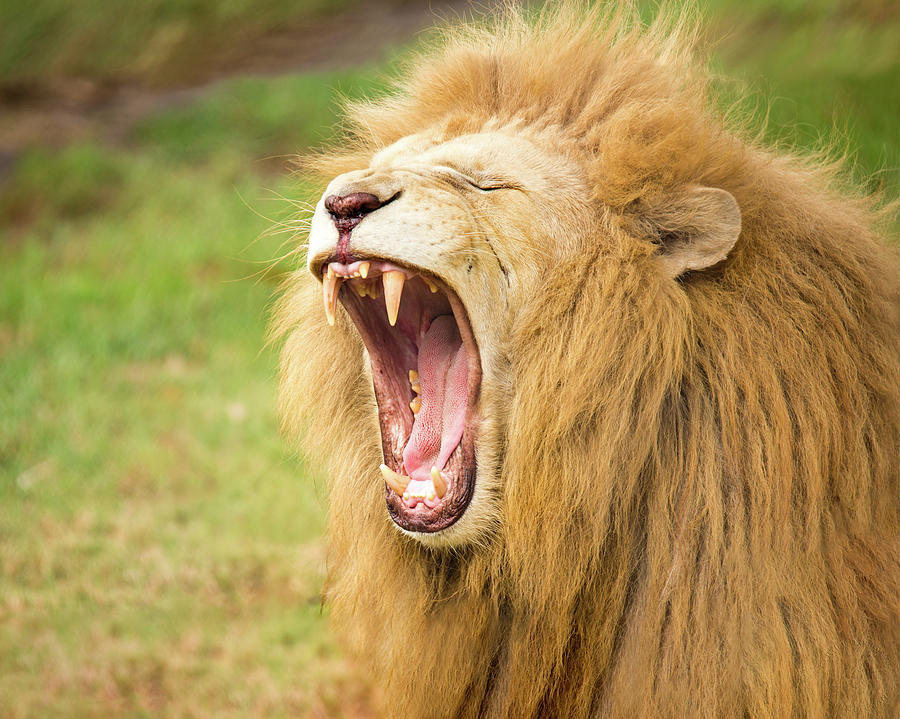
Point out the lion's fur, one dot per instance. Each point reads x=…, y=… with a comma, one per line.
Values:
x=699, y=506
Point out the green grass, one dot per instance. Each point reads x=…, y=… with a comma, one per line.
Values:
x=150, y=40
x=822, y=74
x=155, y=534
x=160, y=550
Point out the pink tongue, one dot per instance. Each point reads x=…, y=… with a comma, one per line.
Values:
x=443, y=374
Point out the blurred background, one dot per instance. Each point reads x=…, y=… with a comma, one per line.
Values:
x=161, y=549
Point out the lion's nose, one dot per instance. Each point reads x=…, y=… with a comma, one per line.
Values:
x=347, y=211
x=354, y=205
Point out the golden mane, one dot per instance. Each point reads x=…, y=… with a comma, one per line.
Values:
x=728, y=540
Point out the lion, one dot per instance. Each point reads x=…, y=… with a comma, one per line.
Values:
x=607, y=392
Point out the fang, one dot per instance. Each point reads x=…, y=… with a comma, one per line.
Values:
x=331, y=285
x=393, y=289
x=440, y=484
x=395, y=481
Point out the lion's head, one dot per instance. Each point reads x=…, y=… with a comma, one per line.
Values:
x=430, y=249
x=627, y=383
x=433, y=247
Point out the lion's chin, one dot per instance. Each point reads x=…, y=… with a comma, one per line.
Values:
x=426, y=373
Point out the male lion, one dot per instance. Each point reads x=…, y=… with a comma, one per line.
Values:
x=627, y=383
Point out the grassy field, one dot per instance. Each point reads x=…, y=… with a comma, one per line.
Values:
x=160, y=549
x=153, y=41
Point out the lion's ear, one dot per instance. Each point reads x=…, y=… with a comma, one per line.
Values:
x=697, y=228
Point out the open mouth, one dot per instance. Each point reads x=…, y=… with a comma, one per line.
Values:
x=426, y=373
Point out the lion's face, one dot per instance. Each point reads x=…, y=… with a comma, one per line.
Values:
x=429, y=249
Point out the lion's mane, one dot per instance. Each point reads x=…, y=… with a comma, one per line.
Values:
x=699, y=479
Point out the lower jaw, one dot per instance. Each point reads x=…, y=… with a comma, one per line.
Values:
x=429, y=520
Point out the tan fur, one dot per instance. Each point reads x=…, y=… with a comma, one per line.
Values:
x=698, y=508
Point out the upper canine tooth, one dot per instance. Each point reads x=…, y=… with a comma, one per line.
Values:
x=395, y=481
x=331, y=284
x=364, y=269
x=393, y=288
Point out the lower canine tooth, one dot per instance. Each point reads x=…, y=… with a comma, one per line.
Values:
x=393, y=289
x=440, y=484
x=395, y=481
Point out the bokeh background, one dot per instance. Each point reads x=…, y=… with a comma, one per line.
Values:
x=161, y=549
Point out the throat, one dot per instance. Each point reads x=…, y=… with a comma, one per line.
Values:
x=443, y=374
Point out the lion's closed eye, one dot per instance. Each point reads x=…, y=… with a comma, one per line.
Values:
x=477, y=179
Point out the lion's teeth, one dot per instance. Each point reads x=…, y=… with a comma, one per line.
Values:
x=416, y=387
x=440, y=484
x=413, y=376
x=359, y=287
x=431, y=285
x=331, y=283
x=416, y=405
x=393, y=288
x=364, y=269
x=395, y=481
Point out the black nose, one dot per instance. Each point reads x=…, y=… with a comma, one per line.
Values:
x=354, y=205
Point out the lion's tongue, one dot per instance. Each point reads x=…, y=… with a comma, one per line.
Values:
x=443, y=374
